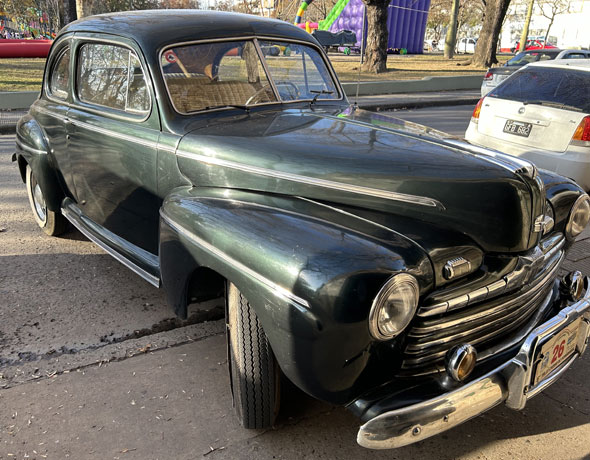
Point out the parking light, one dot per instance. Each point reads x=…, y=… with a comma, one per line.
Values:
x=475, y=115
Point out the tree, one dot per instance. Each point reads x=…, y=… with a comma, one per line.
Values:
x=552, y=8
x=377, y=36
x=527, y=23
x=451, y=38
x=485, y=50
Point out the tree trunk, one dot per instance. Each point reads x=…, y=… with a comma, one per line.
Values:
x=69, y=12
x=451, y=38
x=527, y=23
x=377, y=36
x=485, y=50
x=83, y=8
x=548, y=29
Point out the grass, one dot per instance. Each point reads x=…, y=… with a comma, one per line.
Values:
x=26, y=74
x=21, y=74
x=409, y=67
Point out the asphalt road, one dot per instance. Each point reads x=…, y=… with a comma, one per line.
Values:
x=453, y=120
x=94, y=365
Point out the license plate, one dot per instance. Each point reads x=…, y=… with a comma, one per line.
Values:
x=557, y=350
x=518, y=128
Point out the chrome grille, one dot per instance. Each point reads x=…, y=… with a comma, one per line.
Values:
x=494, y=313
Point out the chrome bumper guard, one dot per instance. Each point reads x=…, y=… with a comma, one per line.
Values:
x=512, y=382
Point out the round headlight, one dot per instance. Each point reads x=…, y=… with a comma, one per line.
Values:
x=394, y=306
x=579, y=217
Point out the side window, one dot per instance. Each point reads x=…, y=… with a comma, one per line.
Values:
x=59, y=82
x=111, y=76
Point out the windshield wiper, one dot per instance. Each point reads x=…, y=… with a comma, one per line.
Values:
x=318, y=94
x=228, y=106
x=557, y=105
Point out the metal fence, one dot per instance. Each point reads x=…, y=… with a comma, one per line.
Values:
x=10, y=117
x=14, y=105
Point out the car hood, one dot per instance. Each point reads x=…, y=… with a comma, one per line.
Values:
x=368, y=161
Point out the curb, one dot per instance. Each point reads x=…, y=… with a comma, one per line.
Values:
x=416, y=104
x=8, y=129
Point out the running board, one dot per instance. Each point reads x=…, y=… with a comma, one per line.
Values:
x=140, y=261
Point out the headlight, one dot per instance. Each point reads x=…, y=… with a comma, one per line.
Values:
x=394, y=306
x=579, y=217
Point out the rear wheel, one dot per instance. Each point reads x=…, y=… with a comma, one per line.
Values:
x=255, y=375
x=52, y=223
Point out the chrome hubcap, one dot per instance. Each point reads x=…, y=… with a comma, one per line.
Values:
x=40, y=207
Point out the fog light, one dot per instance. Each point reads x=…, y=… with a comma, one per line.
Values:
x=574, y=285
x=461, y=361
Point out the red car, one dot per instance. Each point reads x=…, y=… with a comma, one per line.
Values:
x=533, y=45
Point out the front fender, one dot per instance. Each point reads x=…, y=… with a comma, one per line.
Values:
x=33, y=149
x=310, y=271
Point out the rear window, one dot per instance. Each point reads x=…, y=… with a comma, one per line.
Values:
x=528, y=57
x=544, y=84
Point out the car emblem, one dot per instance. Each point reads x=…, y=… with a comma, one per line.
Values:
x=521, y=110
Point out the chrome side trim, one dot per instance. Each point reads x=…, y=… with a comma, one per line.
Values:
x=30, y=149
x=378, y=193
x=108, y=132
x=153, y=280
x=51, y=114
x=510, y=382
x=278, y=290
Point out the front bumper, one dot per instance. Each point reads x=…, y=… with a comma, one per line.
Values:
x=512, y=383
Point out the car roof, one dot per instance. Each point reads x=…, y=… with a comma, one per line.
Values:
x=578, y=64
x=154, y=29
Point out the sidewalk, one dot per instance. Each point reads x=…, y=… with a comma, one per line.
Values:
x=174, y=404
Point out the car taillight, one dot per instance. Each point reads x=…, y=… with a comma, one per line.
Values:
x=582, y=132
x=475, y=115
x=488, y=76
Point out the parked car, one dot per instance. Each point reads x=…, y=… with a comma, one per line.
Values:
x=374, y=263
x=466, y=45
x=495, y=75
x=541, y=113
x=532, y=44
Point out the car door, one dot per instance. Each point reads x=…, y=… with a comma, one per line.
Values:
x=51, y=109
x=113, y=129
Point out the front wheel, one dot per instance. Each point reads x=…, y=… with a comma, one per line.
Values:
x=52, y=223
x=255, y=376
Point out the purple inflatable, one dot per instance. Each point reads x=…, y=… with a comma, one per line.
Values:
x=406, y=20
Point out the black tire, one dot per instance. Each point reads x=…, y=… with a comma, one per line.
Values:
x=255, y=376
x=52, y=223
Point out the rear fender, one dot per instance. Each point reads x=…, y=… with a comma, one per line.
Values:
x=309, y=271
x=33, y=150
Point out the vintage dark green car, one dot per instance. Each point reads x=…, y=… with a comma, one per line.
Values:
x=376, y=264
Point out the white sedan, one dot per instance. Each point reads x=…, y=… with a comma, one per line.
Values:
x=541, y=113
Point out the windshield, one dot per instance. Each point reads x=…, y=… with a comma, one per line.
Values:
x=554, y=86
x=232, y=74
x=528, y=57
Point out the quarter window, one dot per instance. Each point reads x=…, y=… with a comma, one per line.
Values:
x=60, y=76
x=111, y=76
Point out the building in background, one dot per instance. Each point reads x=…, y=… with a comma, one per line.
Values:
x=570, y=29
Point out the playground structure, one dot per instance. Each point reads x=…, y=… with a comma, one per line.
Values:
x=406, y=22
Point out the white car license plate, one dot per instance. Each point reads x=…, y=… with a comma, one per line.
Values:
x=518, y=128
x=557, y=350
